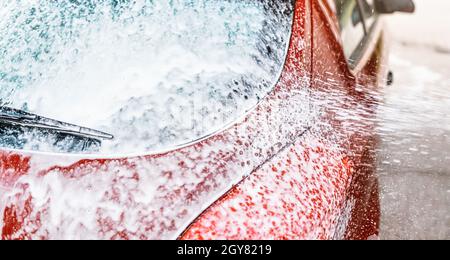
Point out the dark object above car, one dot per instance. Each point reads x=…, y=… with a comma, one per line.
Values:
x=392, y=6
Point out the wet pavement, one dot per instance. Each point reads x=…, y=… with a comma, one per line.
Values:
x=414, y=155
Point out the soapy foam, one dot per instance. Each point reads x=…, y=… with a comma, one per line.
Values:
x=153, y=73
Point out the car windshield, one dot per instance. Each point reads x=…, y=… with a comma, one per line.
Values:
x=153, y=73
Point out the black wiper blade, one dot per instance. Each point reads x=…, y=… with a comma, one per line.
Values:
x=16, y=117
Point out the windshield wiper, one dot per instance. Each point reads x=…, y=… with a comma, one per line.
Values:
x=16, y=117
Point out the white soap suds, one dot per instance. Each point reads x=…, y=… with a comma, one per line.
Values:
x=153, y=73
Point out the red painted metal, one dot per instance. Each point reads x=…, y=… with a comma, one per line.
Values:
x=335, y=195
x=292, y=168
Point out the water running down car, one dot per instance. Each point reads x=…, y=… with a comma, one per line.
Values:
x=254, y=120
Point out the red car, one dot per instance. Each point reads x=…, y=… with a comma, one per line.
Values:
x=230, y=119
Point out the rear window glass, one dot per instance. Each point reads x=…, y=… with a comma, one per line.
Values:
x=155, y=74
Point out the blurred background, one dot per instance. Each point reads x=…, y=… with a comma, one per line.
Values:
x=414, y=156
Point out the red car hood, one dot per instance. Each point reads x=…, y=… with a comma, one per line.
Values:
x=55, y=196
x=154, y=196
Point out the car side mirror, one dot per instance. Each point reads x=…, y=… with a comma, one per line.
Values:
x=392, y=6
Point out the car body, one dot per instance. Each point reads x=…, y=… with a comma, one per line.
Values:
x=298, y=165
